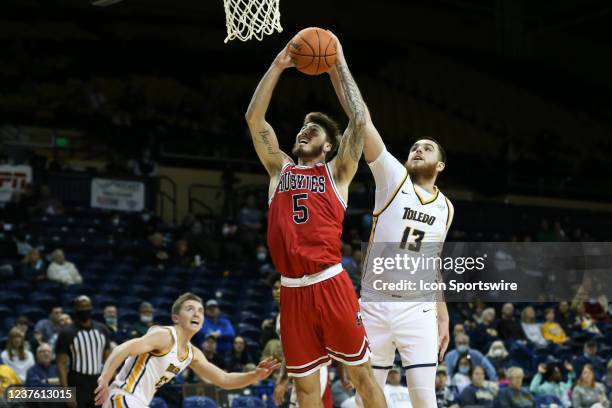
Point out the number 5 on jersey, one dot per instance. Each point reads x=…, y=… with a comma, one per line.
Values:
x=300, y=211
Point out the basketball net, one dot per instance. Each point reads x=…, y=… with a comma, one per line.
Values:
x=246, y=19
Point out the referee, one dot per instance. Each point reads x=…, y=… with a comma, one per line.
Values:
x=81, y=350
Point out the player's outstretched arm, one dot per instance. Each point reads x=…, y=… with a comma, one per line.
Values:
x=346, y=161
x=262, y=133
x=373, y=143
x=229, y=381
x=156, y=339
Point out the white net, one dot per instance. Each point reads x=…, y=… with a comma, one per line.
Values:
x=246, y=19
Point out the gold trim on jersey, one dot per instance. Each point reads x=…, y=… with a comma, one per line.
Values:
x=117, y=399
x=178, y=349
x=430, y=199
x=137, y=370
x=367, y=258
x=448, y=210
x=393, y=196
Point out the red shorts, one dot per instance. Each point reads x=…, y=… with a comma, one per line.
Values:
x=320, y=322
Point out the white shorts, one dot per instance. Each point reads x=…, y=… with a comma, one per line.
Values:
x=409, y=327
x=120, y=399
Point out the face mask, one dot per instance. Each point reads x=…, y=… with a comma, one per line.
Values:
x=498, y=352
x=261, y=256
x=464, y=370
x=146, y=318
x=82, y=315
x=462, y=348
x=111, y=321
x=116, y=221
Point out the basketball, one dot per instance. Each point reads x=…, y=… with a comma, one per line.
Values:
x=313, y=50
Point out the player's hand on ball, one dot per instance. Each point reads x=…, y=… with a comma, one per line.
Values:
x=265, y=368
x=101, y=391
x=283, y=59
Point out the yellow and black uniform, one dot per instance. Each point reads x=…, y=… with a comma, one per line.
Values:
x=142, y=375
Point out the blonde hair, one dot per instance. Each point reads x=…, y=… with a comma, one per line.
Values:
x=178, y=303
x=581, y=383
x=20, y=351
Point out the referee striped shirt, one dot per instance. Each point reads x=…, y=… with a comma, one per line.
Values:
x=85, y=347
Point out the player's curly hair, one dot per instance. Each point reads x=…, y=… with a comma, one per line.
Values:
x=332, y=130
x=178, y=303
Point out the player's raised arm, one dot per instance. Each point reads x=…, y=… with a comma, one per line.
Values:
x=373, y=143
x=264, y=138
x=158, y=339
x=208, y=371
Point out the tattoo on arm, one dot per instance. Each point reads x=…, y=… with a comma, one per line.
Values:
x=353, y=140
x=264, y=138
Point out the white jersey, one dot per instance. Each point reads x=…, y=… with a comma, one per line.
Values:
x=142, y=375
x=406, y=220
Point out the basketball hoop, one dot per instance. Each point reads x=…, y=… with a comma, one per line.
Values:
x=246, y=19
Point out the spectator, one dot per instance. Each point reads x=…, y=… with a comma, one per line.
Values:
x=347, y=255
x=498, y=355
x=514, y=395
x=63, y=271
x=446, y=395
x=23, y=324
x=154, y=252
x=15, y=355
x=551, y=330
x=565, y=316
x=396, y=395
x=508, y=327
x=584, y=321
x=209, y=347
x=44, y=372
x=140, y=328
x=218, y=326
x=144, y=166
x=587, y=392
x=115, y=329
x=201, y=243
x=263, y=263
x=270, y=328
x=485, y=332
x=81, y=350
x=533, y=330
x=548, y=381
x=250, y=216
x=181, y=256
x=65, y=320
x=589, y=356
x=33, y=266
x=47, y=204
x=461, y=375
x=462, y=346
x=8, y=377
x=608, y=379
x=46, y=329
x=477, y=393
x=238, y=357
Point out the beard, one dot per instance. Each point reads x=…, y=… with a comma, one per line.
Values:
x=307, y=152
x=422, y=171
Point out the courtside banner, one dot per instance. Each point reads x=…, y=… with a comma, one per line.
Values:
x=13, y=179
x=121, y=195
x=487, y=271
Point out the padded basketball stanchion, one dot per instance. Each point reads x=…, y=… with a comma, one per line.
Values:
x=246, y=19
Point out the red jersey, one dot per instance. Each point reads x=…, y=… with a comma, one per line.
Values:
x=305, y=221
